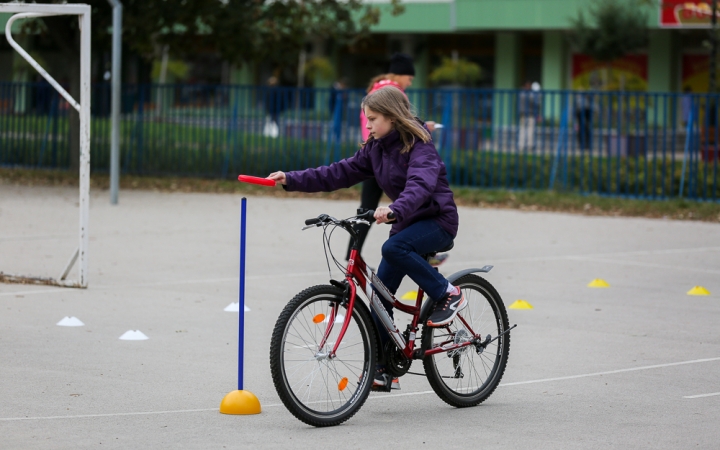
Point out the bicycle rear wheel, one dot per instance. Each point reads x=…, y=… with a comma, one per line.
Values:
x=467, y=377
x=319, y=390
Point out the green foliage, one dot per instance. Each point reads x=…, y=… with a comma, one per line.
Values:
x=20, y=65
x=457, y=71
x=632, y=176
x=172, y=149
x=177, y=69
x=610, y=29
x=239, y=30
x=319, y=68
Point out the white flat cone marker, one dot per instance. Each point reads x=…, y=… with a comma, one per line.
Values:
x=133, y=335
x=235, y=307
x=70, y=322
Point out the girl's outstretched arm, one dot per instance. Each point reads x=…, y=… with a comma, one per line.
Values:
x=342, y=174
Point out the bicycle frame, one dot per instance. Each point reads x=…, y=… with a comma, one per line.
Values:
x=358, y=272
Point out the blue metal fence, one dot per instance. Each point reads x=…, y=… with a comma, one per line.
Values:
x=629, y=144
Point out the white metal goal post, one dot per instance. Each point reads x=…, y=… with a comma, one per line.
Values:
x=31, y=10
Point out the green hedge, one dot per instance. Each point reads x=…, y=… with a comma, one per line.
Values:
x=162, y=148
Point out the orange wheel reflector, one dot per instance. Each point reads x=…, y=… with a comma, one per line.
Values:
x=343, y=384
x=319, y=318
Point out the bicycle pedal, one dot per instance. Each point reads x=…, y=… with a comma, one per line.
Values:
x=439, y=326
x=377, y=388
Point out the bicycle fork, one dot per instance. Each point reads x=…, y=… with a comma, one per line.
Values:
x=376, y=305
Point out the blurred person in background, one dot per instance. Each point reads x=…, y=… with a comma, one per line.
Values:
x=273, y=107
x=529, y=112
x=686, y=104
x=584, y=107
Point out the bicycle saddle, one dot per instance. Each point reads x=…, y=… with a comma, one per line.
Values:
x=442, y=250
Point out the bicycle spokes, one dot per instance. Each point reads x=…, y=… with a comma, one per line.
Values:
x=467, y=375
x=317, y=379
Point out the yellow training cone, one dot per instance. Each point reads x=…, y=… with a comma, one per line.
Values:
x=240, y=402
x=409, y=295
x=599, y=283
x=521, y=304
x=698, y=290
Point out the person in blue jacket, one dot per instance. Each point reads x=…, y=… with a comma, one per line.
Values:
x=400, y=155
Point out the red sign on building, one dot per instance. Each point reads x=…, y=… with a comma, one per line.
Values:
x=685, y=14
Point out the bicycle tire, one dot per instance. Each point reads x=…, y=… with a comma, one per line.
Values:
x=437, y=367
x=292, y=387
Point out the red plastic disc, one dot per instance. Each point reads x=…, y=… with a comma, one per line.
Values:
x=256, y=180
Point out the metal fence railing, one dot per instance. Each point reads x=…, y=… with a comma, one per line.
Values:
x=629, y=144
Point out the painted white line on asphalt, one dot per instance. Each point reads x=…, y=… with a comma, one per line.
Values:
x=451, y=263
x=588, y=257
x=209, y=280
x=674, y=267
x=85, y=416
x=35, y=237
x=42, y=291
x=101, y=287
x=542, y=380
x=165, y=283
x=666, y=251
x=572, y=377
x=610, y=372
x=384, y=396
x=669, y=251
x=702, y=395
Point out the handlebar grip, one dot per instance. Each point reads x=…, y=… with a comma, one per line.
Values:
x=312, y=221
x=370, y=213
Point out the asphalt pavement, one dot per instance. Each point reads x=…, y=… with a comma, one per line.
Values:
x=634, y=365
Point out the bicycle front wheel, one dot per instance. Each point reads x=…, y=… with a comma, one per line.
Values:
x=318, y=389
x=467, y=376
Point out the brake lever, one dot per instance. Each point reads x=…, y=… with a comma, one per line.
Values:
x=356, y=220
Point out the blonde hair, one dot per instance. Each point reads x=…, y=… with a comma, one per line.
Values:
x=392, y=103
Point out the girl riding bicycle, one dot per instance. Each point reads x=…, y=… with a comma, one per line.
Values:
x=400, y=155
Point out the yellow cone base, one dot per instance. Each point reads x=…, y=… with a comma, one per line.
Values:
x=520, y=304
x=698, y=290
x=409, y=295
x=599, y=283
x=240, y=402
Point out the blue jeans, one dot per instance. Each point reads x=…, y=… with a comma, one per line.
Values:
x=401, y=255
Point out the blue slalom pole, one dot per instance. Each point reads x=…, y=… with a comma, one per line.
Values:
x=241, y=401
x=241, y=302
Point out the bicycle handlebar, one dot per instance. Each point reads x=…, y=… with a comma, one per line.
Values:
x=367, y=215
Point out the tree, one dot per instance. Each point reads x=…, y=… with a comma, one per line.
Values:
x=611, y=30
x=240, y=31
x=456, y=71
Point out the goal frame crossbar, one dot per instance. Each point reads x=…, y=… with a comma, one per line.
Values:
x=32, y=10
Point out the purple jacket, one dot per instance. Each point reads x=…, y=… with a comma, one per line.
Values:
x=416, y=181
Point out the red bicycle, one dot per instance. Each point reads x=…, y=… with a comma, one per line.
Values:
x=325, y=343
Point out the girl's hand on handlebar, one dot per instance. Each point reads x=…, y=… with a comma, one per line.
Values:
x=381, y=215
x=278, y=177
